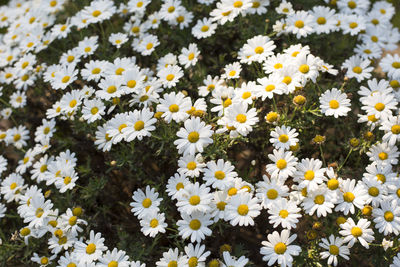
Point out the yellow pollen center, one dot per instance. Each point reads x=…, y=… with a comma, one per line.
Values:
x=319, y=199
x=238, y=4
x=280, y=248
x=221, y=205
x=299, y=24
x=269, y=87
x=334, y=250
x=91, y=248
x=70, y=58
x=333, y=184
x=395, y=129
x=204, y=28
x=304, y=68
x=287, y=80
x=191, y=56
x=259, y=50
x=357, y=69
x=241, y=118
x=119, y=71
x=174, y=108
x=373, y=191
x=383, y=156
x=170, y=77
x=194, y=200
x=243, y=209
x=219, y=175
x=348, y=197
x=146, y=203
x=179, y=186
x=113, y=264
x=283, y=214
x=309, y=175
x=283, y=138
x=111, y=89
x=195, y=224
x=353, y=25
x=272, y=194
x=333, y=104
x=191, y=165
x=193, y=137
x=94, y=110
x=39, y=212
x=356, y=231
x=72, y=220
x=171, y=9
x=153, y=223
x=65, y=79
x=96, y=13
x=321, y=20
x=281, y=164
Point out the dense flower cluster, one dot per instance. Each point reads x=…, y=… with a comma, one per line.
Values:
x=205, y=190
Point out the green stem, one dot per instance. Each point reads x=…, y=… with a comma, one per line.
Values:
x=345, y=160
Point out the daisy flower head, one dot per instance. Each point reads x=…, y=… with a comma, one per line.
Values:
x=325, y=19
x=172, y=258
x=174, y=107
x=353, y=6
x=204, y=28
x=284, y=137
x=145, y=202
x=64, y=76
x=390, y=64
x=271, y=85
x=357, y=68
x=309, y=174
x=334, y=103
x=189, y=56
x=360, y=231
x=196, y=254
x=139, y=124
x=230, y=260
x=194, y=197
x=271, y=190
x=114, y=258
x=90, y=250
x=320, y=200
x=351, y=196
x=278, y=248
x=300, y=23
x=241, y=118
x=387, y=217
x=99, y=11
x=256, y=49
x=352, y=24
x=285, y=213
x=284, y=164
x=219, y=174
x=118, y=39
x=191, y=165
x=384, y=154
x=380, y=105
x=232, y=71
x=93, y=110
x=153, y=224
x=391, y=127
x=195, y=225
x=241, y=209
x=334, y=247
x=170, y=75
x=175, y=185
x=194, y=136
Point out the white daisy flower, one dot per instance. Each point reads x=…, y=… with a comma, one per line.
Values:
x=353, y=232
x=335, y=248
x=195, y=225
x=241, y=209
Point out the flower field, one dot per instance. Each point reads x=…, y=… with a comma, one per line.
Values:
x=184, y=133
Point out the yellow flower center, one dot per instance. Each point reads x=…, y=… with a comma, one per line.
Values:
x=119, y=71
x=96, y=13
x=204, y=28
x=221, y=205
x=309, y=175
x=179, y=186
x=333, y=184
x=39, y=212
x=88, y=49
x=193, y=261
x=348, y=197
x=281, y=164
x=232, y=191
x=70, y=58
x=388, y=215
x=113, y=264
x=379, y=106
x=280, y=248
x=67, y=180
x=193, y=137
x=91, y=248
x=195, y=224
x=381, y=177
x=17, y=137
x=65, y=79
x=111, y=89
x=238, y=4
x=319, y=199
x=333, y=104
x=241, y=118
x=287, y=80
x=171, y=9
x=96, y=71
x=334, y=250
x=283, y=138
x=356, y=231
x=243, y=209
x=395, y=129
x=321, y=20
x=259, y=50
x=357, y=69
x=149, y=46
x=174, y=108
x=353, y=25
x=25, y=231
x=172, y=264
x=72, y=220
x=191, y=165
x=153, y=223
x=194, y=200
x=269, y=87
x=352, y=4
x=44, y=261
x=278, y=66
x=170, y=77
x=191, y=56
x=121, y=127
x=304, y=68
x=219, y=175
x=383, y=156
x=146, y=203
x=283, y=214
x=246, y=95
x=299, y=24
x=272, y=194
x=373, y=191
x=94, y=110
x=139, y=125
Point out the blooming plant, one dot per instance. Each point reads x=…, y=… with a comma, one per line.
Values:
x=199, y=133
